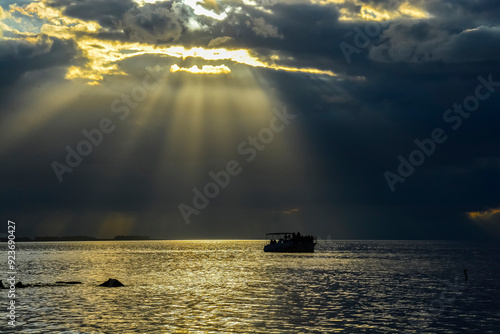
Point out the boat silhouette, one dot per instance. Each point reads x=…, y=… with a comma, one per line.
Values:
x=290, y=242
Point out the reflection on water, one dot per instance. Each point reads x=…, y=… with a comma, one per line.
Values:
x=234, y=287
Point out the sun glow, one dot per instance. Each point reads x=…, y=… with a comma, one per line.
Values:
x=488, y=220
x=374, y=12
x=476, y=215
x=103, y=56
x=196, y=116
x=206, y=69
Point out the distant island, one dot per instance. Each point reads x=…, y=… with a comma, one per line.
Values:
x=77, y=238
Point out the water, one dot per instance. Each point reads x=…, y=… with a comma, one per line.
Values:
x=234, y=287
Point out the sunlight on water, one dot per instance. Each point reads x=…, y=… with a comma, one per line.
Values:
x=234, y=287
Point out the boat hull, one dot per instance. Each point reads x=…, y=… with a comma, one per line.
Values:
x=290, y=247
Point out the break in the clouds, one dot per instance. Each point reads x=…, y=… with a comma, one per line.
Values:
x=186, y=85
x=489, y=219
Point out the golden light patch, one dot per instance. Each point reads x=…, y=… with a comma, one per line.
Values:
x=103, y=56
x=302, y=70
x=483, y=215
x=368, y=13
x=206, y=69
x=489, y=220
x=3, y=14
x=75, y=72
x=413, y=12
x=375, y=13
x=57, y=24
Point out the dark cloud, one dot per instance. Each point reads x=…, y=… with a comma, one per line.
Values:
x=20, y=56
x=423, y=42
x=107, y=12
x=155, y=23
x=478, y=44
x=152, y=23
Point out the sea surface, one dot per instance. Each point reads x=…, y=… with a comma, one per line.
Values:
x=234, y=287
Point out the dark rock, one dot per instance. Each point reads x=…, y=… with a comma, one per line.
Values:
x=68, y=282
x=21, y=285
x=2, y=286
x=112, y=283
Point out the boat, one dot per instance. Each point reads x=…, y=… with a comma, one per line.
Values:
x=289, y=242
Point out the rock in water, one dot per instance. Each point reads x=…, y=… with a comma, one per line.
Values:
x=112, y=283
x=20, y=285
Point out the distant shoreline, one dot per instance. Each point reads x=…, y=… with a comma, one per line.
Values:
x=78, y=238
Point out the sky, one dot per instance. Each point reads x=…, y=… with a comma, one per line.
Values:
x=230, y=119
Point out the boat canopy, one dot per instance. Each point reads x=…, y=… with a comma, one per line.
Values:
x=277, y=233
